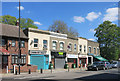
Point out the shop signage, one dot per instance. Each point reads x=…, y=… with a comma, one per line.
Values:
x=37, y=52
x=72, y=56
x=60, y=53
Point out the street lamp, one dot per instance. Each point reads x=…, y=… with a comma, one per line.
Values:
x=19, y=56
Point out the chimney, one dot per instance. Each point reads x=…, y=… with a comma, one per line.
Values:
x=17, y=23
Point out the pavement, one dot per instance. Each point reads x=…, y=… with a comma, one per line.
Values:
x=73, y=75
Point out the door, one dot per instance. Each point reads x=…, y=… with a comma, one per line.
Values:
x=4, y=61
x=46, y=62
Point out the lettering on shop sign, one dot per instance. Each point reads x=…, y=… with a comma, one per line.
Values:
x=37, y=52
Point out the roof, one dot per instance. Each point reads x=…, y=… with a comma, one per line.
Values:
x=11, y=31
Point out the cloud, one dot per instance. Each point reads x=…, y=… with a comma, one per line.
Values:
x=92, y=15
x=92, y=39
x=92, y=30
x=111, y=14
x=37, y=23
x=79, y=19
x=21, y=8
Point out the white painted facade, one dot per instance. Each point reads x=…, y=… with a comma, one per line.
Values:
x=40, y=35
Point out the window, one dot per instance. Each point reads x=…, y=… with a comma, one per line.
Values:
x=15, y=59
x=35, y=42
x=75, y=47
x=70, y=47
x=13, y=43
x=47, y=59
x=54, y=45
x=23, y=44
x=61, y=46
x=45, y=44
x=89, y=49
x=80, y=48
x=84, y=48
x=2, y=42
x=94, y=50
x=97, y=50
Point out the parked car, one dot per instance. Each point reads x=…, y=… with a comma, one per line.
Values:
x=96, y=66
x=107, y=65
x=115, y=64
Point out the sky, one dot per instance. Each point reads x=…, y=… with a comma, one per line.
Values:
x=84, y=17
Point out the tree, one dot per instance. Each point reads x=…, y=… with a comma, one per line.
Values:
x=7, y=19
x=108, y=35
x=25, y=22
x=62, y=27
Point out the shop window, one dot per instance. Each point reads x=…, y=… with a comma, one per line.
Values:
x=35, y=42
x=44, y=44
x=94, y=50
x=5, y=59
x=75, y=47
x=61, y=46
x=54, y=45
x=23, y=44
x=89, y=49
x=47, y=59
x=13, y=43
x=84, y=48
x=80, y=48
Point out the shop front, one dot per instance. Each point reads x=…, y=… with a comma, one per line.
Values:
x=58, y=59
x=72, y=59
x=39, y=58
x=83, y=60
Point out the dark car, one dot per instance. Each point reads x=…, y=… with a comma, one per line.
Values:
x=107, y=65
x=96, y=66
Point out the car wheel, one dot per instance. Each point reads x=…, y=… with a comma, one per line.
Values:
x=103, y=68
x=96, y=69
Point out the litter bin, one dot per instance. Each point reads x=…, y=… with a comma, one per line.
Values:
x=66, y=66
x=73, y=65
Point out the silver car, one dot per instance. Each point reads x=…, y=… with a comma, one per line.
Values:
x=115, y=64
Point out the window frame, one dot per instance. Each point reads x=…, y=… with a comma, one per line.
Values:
x=80, y=48
x=35, y=42
x=70, y=49
x=45, y=44
x=75, y=47
x=13, y=42
x=62, y=46
x=89, y=49
x=54, y=46
x=23, y=44
x=84, y=48
x=94, y=49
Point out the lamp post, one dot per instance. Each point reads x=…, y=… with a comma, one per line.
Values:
x=19, y=56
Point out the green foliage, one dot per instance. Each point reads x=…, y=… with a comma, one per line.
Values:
x=62, y=27
x=108, y=35
x=24, y=22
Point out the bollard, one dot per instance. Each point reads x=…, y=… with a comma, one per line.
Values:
x=29, y=72
x=16, y=72
x=68, y=69
x=41, y=70
x=51, y=70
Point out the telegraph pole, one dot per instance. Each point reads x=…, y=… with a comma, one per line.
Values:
x=19, y=56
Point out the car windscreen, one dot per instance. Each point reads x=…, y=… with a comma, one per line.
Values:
x=96, y=63
x=114, y=63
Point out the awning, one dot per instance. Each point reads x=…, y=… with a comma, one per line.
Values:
x=4, y=51
x=100, y=58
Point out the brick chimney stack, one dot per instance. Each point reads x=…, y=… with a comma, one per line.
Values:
x=17, y=23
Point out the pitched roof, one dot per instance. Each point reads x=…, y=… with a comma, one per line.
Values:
x=11, y=31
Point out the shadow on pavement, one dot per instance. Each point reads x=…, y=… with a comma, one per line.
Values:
x=100, y=77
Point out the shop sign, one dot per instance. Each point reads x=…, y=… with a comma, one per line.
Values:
x=37, y=52
x=60, y=53
x=72, y=56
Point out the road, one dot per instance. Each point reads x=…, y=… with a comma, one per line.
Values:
x=110, y=75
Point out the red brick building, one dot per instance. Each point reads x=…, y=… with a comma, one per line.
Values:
x=9, y=49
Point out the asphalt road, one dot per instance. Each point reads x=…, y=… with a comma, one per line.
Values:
x=101, y=75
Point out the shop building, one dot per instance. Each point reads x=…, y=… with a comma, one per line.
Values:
x=58, y=49
x=9, y=49
x=38, y=46
x=82, y=52
x=94, y=52
x=72, y=51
